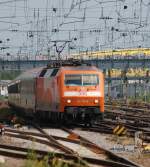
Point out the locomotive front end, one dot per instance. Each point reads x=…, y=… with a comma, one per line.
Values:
x=83, y=93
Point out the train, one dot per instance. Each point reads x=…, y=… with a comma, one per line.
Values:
x=60, y=91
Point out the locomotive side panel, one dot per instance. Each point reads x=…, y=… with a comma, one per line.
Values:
x=22, y=95
x=27, y=94
x=47, y=94
x=44, y=96
x=14, y=94
x=56, y=94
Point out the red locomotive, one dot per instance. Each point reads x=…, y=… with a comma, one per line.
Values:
x=71, y=90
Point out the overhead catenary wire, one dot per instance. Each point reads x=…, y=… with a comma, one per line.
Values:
x=57, y=20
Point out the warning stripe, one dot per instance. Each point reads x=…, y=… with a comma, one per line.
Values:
x=124, y=132
x=120, y=130
x=116, y=129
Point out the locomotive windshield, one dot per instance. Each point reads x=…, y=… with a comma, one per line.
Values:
x=81, y=79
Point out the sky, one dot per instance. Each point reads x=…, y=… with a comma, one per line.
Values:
x=30, y=29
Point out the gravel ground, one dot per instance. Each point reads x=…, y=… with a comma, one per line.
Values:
x=110, y=142
x=56, y=132
x=13, y=162
x=82, y=151
x=123, y=146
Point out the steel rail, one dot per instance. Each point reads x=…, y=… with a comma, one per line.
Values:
x=124, y=113
x=29, y=136
x=23, y=153
x=59, y=145
x=110, y=154
x=131, y=109
x=84, y=142
x=131, y=128
x=54, y=142
x=142, y=106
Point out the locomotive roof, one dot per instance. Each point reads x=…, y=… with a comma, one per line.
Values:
x=79, y=68
x=33, y=73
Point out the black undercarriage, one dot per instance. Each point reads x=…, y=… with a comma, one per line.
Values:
x=71, y=115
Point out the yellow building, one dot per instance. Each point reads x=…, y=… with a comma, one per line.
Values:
x=113, y=53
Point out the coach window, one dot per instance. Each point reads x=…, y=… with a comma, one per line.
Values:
x=19, y=87
x=9, y=89
x=15, y=88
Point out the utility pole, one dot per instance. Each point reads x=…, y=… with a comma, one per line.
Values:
x=48, y=51
x=125, y=85
x=146, y=83
x=109, y=85
x=105, y=18
x=37, y=51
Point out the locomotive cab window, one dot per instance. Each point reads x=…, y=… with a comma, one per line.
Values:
x=81, y=79
x=73, y=80
x=54, y=72
x=48, y=73
x=90, y=79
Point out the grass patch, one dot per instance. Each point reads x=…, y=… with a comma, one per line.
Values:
x=49, y=161
x=9, y=75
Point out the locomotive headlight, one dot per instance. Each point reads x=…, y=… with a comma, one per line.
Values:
x=96, y=101
x=68, y=101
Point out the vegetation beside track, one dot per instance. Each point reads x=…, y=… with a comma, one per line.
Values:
x=9, y=75
x=48, y=161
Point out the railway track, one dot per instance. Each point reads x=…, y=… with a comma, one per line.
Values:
x=104, y=157
x=128, y=108
x=106, y=126
x=132, y=115
x=17, y=152
x=136, y=104
x=134, y=119
x=126, y=113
